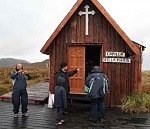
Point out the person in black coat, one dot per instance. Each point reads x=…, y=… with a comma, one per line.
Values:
x=98, y=85
x=60, y=99
x=65, y=74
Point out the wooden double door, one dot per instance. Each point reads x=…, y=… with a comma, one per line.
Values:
x=77, y=59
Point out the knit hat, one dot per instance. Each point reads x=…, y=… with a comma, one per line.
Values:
x=63, y=64
x=96, y=68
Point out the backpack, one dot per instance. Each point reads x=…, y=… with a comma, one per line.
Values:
x=106, y=84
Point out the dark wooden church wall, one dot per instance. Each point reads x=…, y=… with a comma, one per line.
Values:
x=124, y=78
x=58, y=54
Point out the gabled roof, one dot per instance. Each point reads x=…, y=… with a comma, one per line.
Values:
x=106, y=15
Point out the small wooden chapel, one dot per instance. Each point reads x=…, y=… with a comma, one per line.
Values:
x=89, y=36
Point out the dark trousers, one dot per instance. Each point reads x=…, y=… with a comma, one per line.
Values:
x=97, y=108
x=17, y=96
x=60, y=112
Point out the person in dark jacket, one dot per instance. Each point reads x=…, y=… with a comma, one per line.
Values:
x=60, y=99
x=19, y=77
x=65, y=74
x=98, y=85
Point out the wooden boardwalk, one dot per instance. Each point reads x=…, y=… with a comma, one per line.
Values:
x=41, y=117
x=37, y=92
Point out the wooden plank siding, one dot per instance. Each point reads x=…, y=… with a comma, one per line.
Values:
x=124, y=78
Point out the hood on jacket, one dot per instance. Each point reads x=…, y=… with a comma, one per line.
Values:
x=96, y=69
x=60, y=81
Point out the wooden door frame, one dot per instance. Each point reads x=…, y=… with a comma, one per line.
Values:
x=101, y=56
x=98, y=45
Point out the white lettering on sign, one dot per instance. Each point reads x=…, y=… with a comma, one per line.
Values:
x=117, y=60
x=87, y=13
x=116, y=54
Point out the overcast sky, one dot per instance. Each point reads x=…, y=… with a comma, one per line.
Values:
x=25, y=25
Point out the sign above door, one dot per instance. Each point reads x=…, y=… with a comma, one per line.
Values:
x=117, y=57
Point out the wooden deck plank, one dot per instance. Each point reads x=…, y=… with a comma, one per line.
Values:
x=41, y=117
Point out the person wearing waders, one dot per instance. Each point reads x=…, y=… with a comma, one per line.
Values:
x=19, y=77
x=98, y=85
x=63, y=72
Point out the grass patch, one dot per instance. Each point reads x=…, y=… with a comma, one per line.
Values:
x=146, y=81
x=137, y=102
x=34, y=81
x=37, y=75
x=3, y=90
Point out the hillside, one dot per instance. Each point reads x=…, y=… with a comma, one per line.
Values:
x=10, y=62
x=42, y=64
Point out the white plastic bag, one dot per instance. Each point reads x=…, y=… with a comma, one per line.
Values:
x=50, y=100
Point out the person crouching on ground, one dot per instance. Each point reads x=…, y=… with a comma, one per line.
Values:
x=60, y=99
x=98, y=85
x=19, y=77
